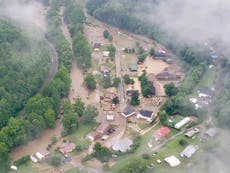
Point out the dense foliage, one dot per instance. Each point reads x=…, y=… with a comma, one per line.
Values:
x=20, y=54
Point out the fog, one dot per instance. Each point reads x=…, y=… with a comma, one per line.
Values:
x=29, y=14
x=192, y=20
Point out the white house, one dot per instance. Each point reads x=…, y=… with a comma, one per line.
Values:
x=39, y=156
x=172, y=161
x=33, y=159
x=105, y=53
x=182, y=123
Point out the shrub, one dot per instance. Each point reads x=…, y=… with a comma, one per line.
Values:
x=22, y=161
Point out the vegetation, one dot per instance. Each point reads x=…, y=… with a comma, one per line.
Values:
x=163, y=116
x=145, y=85
x=56, y=160
x=106, y=34
x=112, y=51
x=170, y=89
x=22, y=161
x=101, y=153
x=116, y=82
x=90, y=81
x=79, y=107
x=128, y=80
x=135, y=99
x=89, y=115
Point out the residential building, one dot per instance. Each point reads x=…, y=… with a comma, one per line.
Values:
x=145, y=114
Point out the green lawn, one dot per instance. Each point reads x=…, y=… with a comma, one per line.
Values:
x=28, y=168
x=79, y=137
x=76, y=170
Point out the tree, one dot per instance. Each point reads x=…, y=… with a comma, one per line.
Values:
x=106, y=82
x=90, y=81
x=110, y=38
x=170, y=89
x=116, y=81
x=56, y=160
x=89, y=114
x=163, y=116
x=116, y=100
x=112, y=51
x=101, y=153
x=70, y=122
x=106, y=34
x=152, y=52
x=183, y=142
x=49, y=118
x=79, y=107
x=135, y=99
x=4, y=159
x=128, y=80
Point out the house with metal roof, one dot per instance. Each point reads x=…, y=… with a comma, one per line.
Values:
x=189, y=151
x=145, y=114
x=128, y=111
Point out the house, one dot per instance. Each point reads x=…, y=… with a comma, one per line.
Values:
x=205, y=93
x=128, y=111
x=105, y=53
x=172, y=161
x=133, y=67
x=93, y=136
x=145, y=114
x=212, y=132
x=39, y=156
x=96, y=46
x=165, y=75
x=182, y=123
x=122, y=145
x=131, y=92
x=103, y=128
x=189, y=151
x=67, y=147
x=192, y=132
x=163, y=131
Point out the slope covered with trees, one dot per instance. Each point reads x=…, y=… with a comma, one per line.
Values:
x=24, y=66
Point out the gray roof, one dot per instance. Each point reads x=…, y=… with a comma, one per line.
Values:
x=123, y=145
x=211, y=132
x=146, y=113
x=189, y=151
x=128, y=110
x=206, y=91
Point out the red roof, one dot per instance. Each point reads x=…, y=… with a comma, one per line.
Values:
x=161, y=132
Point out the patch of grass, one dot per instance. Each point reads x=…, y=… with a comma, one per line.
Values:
x=28, y=168
x=143, y=125
x=76, y=170
x=79, y=137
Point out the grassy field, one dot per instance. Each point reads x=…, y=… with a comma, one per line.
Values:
x=76, y=170
x=79, y=137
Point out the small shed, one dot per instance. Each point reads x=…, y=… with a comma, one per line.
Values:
x=67, y=147
x=172, y=161
x=103, y=128
x=96, y=46
x=14, y=168
x=109, y=117
x=105, y=53
x=33, y=159
x=128, y=111
x=122, y=145
x=133, y=67
x=39, y=156
x=189, y=151
x=131, y=92
x=93, y=136
x=205, y=92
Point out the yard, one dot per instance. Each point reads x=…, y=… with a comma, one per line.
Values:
x=76, y=170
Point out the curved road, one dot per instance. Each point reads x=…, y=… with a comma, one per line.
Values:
x=53, y=66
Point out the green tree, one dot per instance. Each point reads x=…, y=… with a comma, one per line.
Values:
x=70, y=122
x=112, y=51
x=4, y=159
x=89, y=114
x=90, y=81
x=163, y=116
x=170, y=89
x=106, y=34
x=128, y=80
x=79, y=107
x=135, y=99
x=49, y=118
x=106, y=82
x=152, y=52
x=101, y=153
x=116, y=81
x=116, y=100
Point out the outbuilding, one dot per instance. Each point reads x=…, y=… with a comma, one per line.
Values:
x=189, y=151
x=93, y=136
x=182, y=123
x=103, y=128
x=172, y=161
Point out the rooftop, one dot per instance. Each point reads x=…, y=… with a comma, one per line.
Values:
x=172, y=161
x=161, y=132
x=189, y=151
x=146, y=113
x=133, y=67
x=123, y=145
x=128, y=110
x=67, y=147
x=103, y=128
x=205, y=90
x=211, y=132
